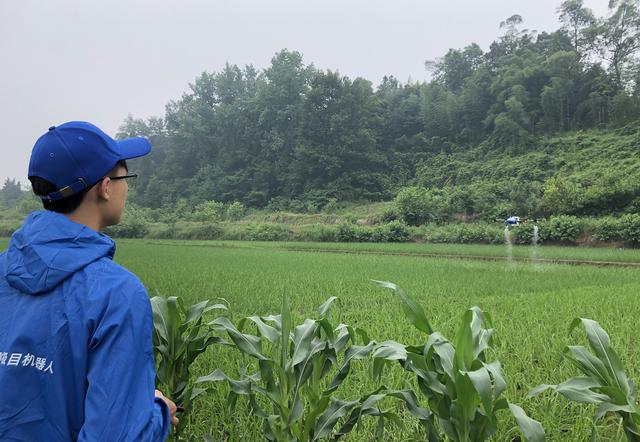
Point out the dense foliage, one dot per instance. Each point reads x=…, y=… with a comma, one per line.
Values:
x=541, y=125
x=481, y=137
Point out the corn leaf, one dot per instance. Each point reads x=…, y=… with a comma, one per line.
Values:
x=302, y=337
x=412, y=310
x=531, y=429
x=264, y=329
x=601, y=345
x=248, y=344
x=324, y=308
x=337, y=409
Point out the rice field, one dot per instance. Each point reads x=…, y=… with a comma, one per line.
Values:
x=546, y=252
x=531, y=305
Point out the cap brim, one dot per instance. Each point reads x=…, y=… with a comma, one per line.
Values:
x=134, y=147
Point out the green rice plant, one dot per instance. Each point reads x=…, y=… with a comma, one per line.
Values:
x=462, y=389
x=300, y=369
x=180, y=336
x=604, y=381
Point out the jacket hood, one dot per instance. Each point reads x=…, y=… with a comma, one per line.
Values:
x=48, y=249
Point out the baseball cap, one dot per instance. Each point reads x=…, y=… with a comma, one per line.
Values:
x=77, y=154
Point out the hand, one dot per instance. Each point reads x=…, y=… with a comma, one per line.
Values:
x=172, y=407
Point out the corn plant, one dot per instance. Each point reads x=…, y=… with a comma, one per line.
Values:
x=462, y=389
x=180, y=335
x=603, y=383
x=300, y=368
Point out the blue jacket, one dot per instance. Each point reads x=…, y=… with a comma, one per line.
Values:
x=76, y=357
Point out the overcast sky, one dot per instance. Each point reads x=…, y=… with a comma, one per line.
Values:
x=101, y=60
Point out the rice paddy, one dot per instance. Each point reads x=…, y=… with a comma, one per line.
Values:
x=531, y=305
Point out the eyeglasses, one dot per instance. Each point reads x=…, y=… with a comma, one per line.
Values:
x=130, y=177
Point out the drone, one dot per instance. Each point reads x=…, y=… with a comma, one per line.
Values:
x=514, y=220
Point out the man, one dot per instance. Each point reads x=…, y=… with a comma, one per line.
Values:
x=76, y=357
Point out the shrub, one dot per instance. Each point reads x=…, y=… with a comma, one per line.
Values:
x=317, y=233
x=162, y=231
x=396, y=231
x=211, y=211
x=631, y=228
x=562, y=195
x=390, y=214
x=524, y=233
x=268, y=232
x=355, y=233
x=132, y=229
x=379, y=234
x=563, y=228
x=235, y=211
x=465, y=233
x=8, y=227
x=331, y=206
x=607, y=229
x=347, y=233
x=28, y=204
x=363, y=234
x=417, y=205
x=202, y=231
x=133, y=224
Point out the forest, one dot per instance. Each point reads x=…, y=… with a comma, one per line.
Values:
x=541, y=124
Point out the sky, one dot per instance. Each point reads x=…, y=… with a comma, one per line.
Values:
x=99, y=61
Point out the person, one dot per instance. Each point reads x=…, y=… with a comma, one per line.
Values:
x=76, y=356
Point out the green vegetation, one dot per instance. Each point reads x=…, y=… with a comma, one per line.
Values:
x=500, y=252
x=292, y=394
x=604, y=381
x=179, y=337
x=544, y=126
x=295, y=366
x=529, y=303
x=292, y=160
x=539, y=125
x=623, y=231
x=462, y=389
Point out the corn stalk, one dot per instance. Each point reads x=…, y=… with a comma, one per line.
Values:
x=604, y=381
x=180, y=336
x=299, y=370
x=462, y=388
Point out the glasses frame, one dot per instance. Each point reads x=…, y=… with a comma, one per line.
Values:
x=129, y=176
x=123, y=177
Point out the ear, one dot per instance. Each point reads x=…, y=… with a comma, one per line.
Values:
x=103, y=189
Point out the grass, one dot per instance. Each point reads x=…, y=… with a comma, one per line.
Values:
x=362, y=211
x=541, y=252
x=531, y=306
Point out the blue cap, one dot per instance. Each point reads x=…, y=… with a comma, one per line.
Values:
x=77, y=154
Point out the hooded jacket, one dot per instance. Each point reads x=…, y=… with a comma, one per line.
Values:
x=76, y=356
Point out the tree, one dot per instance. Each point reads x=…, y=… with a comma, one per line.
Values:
x=10, y=193
x=619, y=38
x=337, y=155
x=561, y=196
x=576, y=20
x=456, y=66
